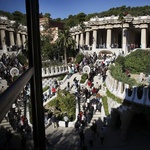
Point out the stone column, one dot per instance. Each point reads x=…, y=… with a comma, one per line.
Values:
x=81, y=39
x=143, y=35
x=124, y=40
x=11, y=36
x=73, y=37
x=23, y=40
x=94, y=39
x=87, y=38
x=52, y=70
x=3, y=40
x=77, y=40
x=18, y=40
x=108, y=40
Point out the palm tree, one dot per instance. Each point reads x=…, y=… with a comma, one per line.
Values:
x=65, y=42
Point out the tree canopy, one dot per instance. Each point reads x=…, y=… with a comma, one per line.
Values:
x=74, y=20
x=16, y=15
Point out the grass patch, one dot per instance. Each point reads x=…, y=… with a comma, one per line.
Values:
x=61, y=77
x=105, y=105
x=118, y=100
x=45, y=88
x=84, y=78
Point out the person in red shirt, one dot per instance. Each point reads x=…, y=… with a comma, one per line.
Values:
x=53, y=91
x=89, y=83
x=94, y=91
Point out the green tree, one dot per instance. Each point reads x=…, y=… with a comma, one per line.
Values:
x=47, y=15
x=47, y=47
x=65, y=42
x=58, y=19
x=80, y=17
x=7, y=14
x=19, y=17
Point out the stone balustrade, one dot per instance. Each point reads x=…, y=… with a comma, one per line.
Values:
x=123, y=91
x=54, y=71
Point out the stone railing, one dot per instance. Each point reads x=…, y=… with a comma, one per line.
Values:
x=123, y=91
x=54, y=70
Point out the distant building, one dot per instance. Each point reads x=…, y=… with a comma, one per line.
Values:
x=109, y=33
x=11, y=38
x=54, y=26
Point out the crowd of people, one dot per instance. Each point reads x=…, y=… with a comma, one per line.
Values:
x=20, y=123
x=7, y=63
x=15, y=116
x=84, y=93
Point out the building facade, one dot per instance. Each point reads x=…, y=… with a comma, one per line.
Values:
x=112, y=34
x=11, y=37
x=53, y=27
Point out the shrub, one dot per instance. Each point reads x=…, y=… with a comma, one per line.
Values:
x=61, y=77
x=138, y=61
x=120, y=60
x=45, y=88
x=65, y=103
x=84, y=78
x=79, y=58
x=117, y=73
x=22, y=59
x=105, y=105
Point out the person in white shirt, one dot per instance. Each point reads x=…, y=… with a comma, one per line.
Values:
x=66, y=119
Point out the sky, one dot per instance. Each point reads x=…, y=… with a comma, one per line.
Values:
x=63, y=8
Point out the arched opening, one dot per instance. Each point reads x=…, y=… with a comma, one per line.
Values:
x=118, y=122
x=140, y=92
x=138, y=123
x=130, y=91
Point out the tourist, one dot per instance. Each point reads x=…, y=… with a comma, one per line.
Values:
x=54, y=121
x=66, y=119
x=77, y=126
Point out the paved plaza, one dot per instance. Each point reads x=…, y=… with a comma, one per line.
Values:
x=64, y=138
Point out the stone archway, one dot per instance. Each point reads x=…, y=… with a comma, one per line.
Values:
x=138, y=122
x=115, y=122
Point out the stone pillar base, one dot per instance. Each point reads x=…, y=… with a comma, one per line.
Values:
x=143, y=46
x=4, y=48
